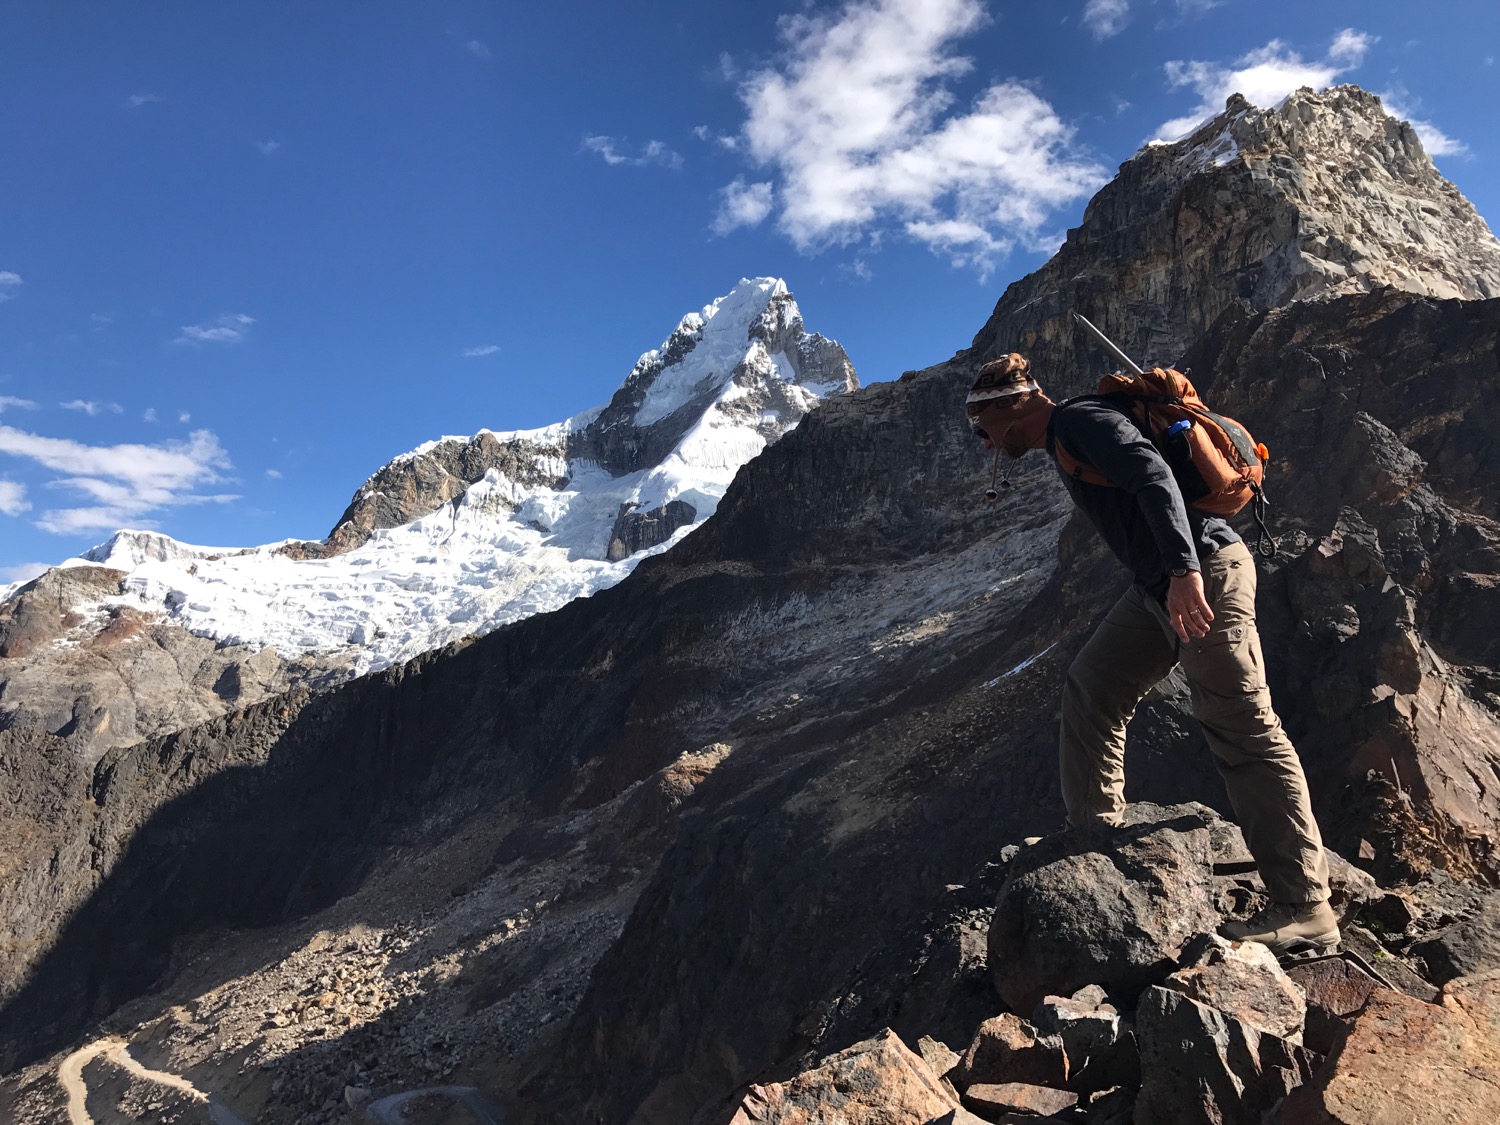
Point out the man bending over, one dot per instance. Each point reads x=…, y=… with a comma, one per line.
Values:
x=1193, y=602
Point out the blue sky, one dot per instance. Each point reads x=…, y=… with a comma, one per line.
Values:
x=252, y=251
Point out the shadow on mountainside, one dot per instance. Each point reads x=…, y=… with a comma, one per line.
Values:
x=281, y=809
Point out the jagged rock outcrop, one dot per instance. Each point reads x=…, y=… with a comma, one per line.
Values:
x=880, y=1080
x=112, y=675
x=413, y=485
x=1322, y=196
x=834, y=874
x=636, y=531
x=1201, y=1066
x=1216, y=1040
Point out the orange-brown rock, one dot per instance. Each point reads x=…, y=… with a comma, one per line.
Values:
x=1409, y=1063
x=1336, y=990
x=1243, y=980
x=1019, y=1097
x=877, y=1082
x=1008, y=1049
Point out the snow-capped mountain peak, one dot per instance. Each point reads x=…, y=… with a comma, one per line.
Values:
x=462, y=535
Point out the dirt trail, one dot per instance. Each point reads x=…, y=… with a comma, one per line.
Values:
x=117, y=1051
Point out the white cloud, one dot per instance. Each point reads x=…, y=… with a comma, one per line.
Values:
x=150, y=415
x=100, y=321
x=128, y=483
x=482, y=350
x=858, y=125
x=228, y=329
x=91, y=408
x=13, y=498
x=654, y=152
x=704, y=133
x=23, y=572
x=478, y=49
x=9, y=283
x=10, y=402
x=1106, y=17
x=184, y=417
x=267, y=147
x=1264, y=76
x=1398, y=103
x=135, y=101
x=274, y=474
x=742, y=205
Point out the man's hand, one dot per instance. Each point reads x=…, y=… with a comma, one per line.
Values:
x=1187, y=608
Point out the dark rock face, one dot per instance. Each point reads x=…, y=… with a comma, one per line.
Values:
x=1335, y=991
x=640, y=531
x=43, y=609
x=1466, y=946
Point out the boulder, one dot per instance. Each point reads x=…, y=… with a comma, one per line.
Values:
x=1200, y=1066
x=875, y=1082
x=1243, y=980
x=1335, y=990
x=1008, y=1049
x=1405, y=1062
x=1112, y=907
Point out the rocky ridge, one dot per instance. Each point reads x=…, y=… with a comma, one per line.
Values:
x=1180, y=1027
x=833, y=865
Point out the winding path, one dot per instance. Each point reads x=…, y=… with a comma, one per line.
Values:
x=117, y=1051
x=485, y=1109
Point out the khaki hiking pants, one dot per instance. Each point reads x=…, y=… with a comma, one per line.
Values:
x=1130, y=651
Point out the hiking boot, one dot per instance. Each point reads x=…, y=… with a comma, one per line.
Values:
x=1289, y=927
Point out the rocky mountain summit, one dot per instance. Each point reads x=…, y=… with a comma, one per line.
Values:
x=1324, y=195
x=144, y=635
x=729, y=837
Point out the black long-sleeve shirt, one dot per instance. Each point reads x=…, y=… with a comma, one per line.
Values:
x=1143, y=518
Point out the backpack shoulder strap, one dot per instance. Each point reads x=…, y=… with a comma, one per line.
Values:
x=1073, y=467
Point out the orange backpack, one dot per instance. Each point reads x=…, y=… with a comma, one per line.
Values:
x=1218, y=466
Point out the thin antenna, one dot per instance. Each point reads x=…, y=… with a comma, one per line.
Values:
x=1107, y=342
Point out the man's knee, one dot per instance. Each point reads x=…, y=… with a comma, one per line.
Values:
x=1099, y=690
